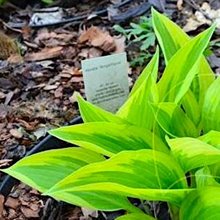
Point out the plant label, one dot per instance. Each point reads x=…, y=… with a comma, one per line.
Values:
x=106, y=81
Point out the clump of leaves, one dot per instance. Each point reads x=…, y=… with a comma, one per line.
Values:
x=163, y=144
x=142, y=34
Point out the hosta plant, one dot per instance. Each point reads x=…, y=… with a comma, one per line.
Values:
x=163, y=144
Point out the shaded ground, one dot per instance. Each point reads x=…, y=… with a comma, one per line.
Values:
x=37, y=89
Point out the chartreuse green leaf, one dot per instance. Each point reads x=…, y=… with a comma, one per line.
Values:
x=145, y=174
x=182, y=68
x=93, y=113
x=215, y=170
x=135, y=216
x=136, y=109
x=109, y=138
x=201, y=204
x=43, y=170
x=171, y=38
x=212, y=138
x=205, y=178
x=173, y=120
x=169, y=35
x=211, y=107
x=192, y=153
x=192, y=108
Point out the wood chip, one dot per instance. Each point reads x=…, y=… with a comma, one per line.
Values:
x=179, y=4
x=16, y=133
x=12, y=214
x=58, y=92
x=44, y=54
x=76, y=79
x=5, y=162
x=65, y=75
x=29, y=213
x=50, y=87
x=12, y=203
x=9, y=97
x=2, y=95
x=15, y=58
x=2, y=199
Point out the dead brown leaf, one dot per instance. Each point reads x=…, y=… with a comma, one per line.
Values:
x=52, y=39
x=98, y=38
x=44, y=54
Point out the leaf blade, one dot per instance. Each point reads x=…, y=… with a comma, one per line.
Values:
x=109, y=138
x=193, y=153
x=206, y=204
x=126, y=174
x=56, y=163
x=173, y=120
x=211, y=107
x=93, y=113
x=185, y=62
x=171, y=38
x=136, y=109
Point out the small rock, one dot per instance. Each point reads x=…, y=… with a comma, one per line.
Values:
x=12, y=203
x=16, y=133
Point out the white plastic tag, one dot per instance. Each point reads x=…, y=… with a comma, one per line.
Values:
x=106, y=81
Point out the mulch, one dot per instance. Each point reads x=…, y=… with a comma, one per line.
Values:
x=38, y=89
